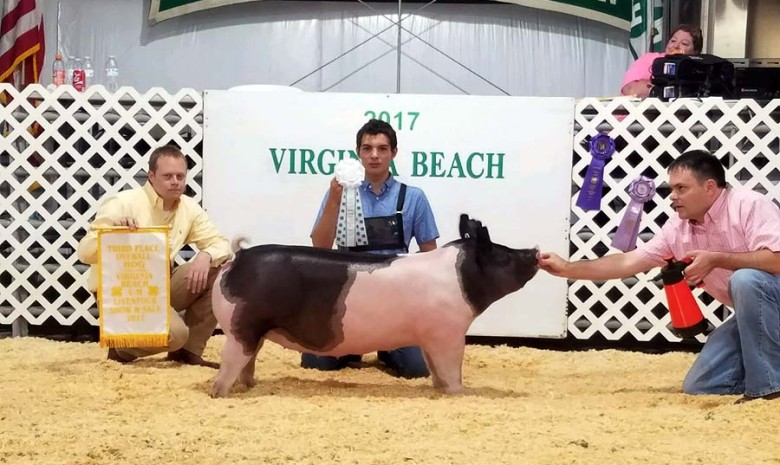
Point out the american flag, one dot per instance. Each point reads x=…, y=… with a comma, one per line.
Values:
x=21, y=42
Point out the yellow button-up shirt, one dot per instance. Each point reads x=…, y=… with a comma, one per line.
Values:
x=189, y=225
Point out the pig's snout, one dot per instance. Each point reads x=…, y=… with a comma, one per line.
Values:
x=528, y=263
x=530, y=257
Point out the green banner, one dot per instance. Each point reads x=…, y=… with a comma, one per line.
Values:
x=166, y=9
x=613, y=12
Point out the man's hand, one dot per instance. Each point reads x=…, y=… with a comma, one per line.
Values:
x=335, y=191
x=198, y=276
x=131, y=223
x=703, y=263
x=640, y=88
x=552, y=263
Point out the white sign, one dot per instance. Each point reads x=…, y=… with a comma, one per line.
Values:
x=506, y=161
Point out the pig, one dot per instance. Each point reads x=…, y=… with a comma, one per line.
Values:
x=331, y=302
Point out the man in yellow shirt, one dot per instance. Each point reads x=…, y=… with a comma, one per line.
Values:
x=161, y=202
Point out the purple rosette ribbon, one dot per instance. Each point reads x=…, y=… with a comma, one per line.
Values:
x=601, y=148
x=641, y=190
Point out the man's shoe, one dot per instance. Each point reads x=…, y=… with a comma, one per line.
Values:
x=114, y=355
x=747, y=398
x=188, y=358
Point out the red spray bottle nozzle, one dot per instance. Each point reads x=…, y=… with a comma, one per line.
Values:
x=674, y=271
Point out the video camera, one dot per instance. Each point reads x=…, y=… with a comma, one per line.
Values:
x=697, y=76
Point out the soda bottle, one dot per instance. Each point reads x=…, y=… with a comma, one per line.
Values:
x=78, y=76
x=58, y=71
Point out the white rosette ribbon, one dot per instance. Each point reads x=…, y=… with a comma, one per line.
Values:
x=351, y=227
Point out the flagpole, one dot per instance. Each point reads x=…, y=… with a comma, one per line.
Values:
x=650, y=25
x=19, y=74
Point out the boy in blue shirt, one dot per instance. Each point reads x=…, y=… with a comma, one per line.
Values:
x=394, y=213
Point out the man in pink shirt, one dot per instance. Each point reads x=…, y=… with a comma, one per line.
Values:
x=732, y=236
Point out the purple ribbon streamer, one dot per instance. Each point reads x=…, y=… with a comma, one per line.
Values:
x=602, y=146
x=641, y=190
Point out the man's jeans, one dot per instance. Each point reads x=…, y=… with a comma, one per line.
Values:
x=406, y=362
x=743, y=354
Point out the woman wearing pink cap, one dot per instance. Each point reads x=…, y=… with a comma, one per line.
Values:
x=686, y=39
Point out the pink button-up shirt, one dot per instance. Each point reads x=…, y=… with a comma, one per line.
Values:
x=739, y=221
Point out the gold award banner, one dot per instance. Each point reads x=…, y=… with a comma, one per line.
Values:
x=134, y=287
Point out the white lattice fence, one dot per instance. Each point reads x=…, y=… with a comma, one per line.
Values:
x=650, y=134
x=62, y=151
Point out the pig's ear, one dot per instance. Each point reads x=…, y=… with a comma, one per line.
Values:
x=483, y=236
x=464, y=225
x=469, y=228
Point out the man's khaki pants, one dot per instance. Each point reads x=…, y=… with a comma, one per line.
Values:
x=192, y=332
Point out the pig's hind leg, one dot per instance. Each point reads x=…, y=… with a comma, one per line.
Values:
x=437, y=382
x=445, y=362
x=247, y=375
x=234, y=360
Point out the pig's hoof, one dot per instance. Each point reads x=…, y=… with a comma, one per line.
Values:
x=452, y=390
x=249, y=382
x=218, y=390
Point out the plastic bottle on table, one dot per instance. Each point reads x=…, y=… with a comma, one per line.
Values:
x=79, y=81
x=111, y=80
x=89, y=72
x=69, y=67
x=58, y=71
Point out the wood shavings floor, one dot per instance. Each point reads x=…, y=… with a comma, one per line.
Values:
x=64, y=403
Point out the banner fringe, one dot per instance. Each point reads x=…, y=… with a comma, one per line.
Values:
x=126, y=341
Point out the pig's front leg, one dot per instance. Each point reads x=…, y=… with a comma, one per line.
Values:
x=234, y=359
x=247, y=376
x=445, y=361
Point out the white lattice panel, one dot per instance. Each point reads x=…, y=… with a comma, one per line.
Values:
x=650, y=134
x=61, y=152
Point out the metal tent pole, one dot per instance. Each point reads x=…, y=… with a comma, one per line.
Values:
x=398, y=53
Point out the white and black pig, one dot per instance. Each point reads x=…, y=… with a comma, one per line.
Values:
x=329, y=302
